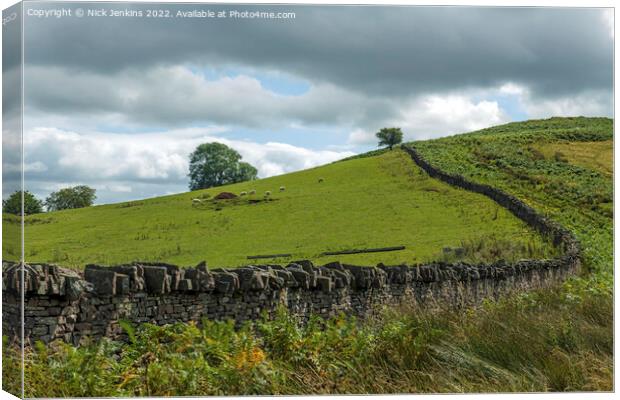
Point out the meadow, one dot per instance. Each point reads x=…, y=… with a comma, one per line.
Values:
x=560, y=339
x=554, y=165
x=362, y=203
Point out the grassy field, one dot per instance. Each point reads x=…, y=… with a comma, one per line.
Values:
x=597, y=156
x=574, y=188
x=371, y=202
x=559, y=339
x=11, y=237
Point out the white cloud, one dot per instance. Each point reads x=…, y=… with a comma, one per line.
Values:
x=439, y=115
x=447, y=114
x=589, y=103
x=116, y=163
x=511, y=88
x=277, y=158
x=361, y=136
x=119, y=188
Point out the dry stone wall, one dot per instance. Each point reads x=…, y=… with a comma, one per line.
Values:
x=77, y=307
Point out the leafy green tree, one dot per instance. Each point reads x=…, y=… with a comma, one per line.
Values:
x=215, y=164
x=13, y=205
x=72, y=197
x=389, y=137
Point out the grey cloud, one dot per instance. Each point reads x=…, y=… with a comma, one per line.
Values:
x=173, y=96
x=425, y=69
x=376, y=50
x=11, y=102
x=11, y=37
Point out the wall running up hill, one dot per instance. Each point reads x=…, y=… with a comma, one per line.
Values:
x=78, y=307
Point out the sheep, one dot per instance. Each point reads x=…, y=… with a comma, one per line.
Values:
x=321, y=180
x=243, y=193
x=282, y=188
x=252, y=191
x=267, y=193
x=196, y=201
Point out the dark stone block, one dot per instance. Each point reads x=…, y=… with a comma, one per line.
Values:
x=74, y=287
x=135, y=274
x=344, y=278
x=306, y=265
x=104, y=281
x=185, y=285
x=302, y=277
x=226, y=282
x=252, y=279
x=122, y=284
x=379, y=278
x=363, y=277
x=276, y=282
x=287, y=277
x=334, y=265
x=156, y=279
x=325, y=284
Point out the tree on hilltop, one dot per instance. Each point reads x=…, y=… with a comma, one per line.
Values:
x=72, y=197
x=215, y=164
x=389, y=137
x=13, y=204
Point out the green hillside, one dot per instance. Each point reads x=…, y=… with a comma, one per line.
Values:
x=371, y=202
x=560, y=166
x=556, y=339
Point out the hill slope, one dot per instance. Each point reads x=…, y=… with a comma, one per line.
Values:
x=379, y=201
x=559, y=339
x=560, y=166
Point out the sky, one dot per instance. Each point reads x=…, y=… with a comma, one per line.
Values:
x=118, y=103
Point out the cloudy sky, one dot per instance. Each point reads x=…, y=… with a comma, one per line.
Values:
x=118, y=103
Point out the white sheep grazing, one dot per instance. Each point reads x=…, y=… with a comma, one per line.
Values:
x=321, y=180
x=282, y=188
x=243, y=193
x=252, y=191
x=267, y=193
x=196, y=201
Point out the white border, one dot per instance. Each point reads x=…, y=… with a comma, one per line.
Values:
x=488, y=3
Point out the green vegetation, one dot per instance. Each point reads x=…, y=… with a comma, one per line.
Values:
x=593, y=155
x=11, y=237
x=215, y=164
x=552, y=340
x=13, y=204
x=362, y=203
x=389, y=137
x=72, y=197
x=562, y=167
x=568, y=188
x=542, y=341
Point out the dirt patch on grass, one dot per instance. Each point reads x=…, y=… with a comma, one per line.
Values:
x=225, y=196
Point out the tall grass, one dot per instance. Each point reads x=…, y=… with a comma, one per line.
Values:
x=556, y=340
x=492, y=248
